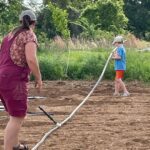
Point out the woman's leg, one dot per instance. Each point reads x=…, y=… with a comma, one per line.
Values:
x=12, y=132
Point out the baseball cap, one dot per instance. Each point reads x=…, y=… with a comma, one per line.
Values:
x=29, y=13
x=118, y=39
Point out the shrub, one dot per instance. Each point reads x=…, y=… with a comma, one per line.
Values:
x=88, y=65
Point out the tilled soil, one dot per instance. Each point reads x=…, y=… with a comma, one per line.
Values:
x=104, y=122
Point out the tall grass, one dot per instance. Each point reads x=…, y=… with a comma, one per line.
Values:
x=138, y=66
x=88, y=65
x=87, y=44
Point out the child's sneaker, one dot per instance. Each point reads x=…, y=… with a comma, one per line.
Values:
x=116, y=94
x=126, y=94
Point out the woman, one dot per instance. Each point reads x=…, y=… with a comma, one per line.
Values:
x=17, y=59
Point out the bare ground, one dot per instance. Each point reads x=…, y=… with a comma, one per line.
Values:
x=103, y=123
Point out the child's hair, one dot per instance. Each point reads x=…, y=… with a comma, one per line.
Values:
x=120, y=42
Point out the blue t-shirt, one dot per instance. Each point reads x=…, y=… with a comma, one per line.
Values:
x=120, y=64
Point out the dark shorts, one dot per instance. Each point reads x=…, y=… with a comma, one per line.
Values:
x=13, y=94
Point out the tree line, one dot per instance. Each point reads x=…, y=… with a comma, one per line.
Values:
x=91, y=19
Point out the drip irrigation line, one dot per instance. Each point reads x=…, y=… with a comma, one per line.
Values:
x=36, y=97
x=28, y=113
x=76, y=109
x=1, y=107
x=38, y=113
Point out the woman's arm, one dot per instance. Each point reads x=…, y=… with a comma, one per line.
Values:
x=31, y=57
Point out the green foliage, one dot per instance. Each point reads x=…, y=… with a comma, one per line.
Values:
x=138, y=13
x=91, y=14
x=53, y=21
x=108, y=15
x=92, y=67
x=45, y=23
x=51, y=67
x=60, y=20
x=81, y=5
x=138, y=66
x=103, y=18
x=86, y=18
x=89, y=29
x=9, y=15
x=73, y=13
x=89, y=65
x=61, y=4
x=112, y=17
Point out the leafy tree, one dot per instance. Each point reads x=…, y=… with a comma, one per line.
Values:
x=138, y=13
x=108, y=15
x=45, y=24
x=61, y=4
x=81, y=5
x=3, y=7
x=53, y=21
x=9, y=14
x=73, y=15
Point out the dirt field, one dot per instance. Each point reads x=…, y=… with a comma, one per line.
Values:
x=103, y=123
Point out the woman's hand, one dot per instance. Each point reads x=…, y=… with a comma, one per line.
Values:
x=30, y=52
x=38, y=85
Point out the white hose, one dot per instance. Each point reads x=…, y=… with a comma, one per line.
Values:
x=78, y=107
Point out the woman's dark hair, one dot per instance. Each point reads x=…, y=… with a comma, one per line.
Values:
x=26, y=22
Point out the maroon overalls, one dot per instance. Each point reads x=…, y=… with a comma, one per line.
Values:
x=13, y=81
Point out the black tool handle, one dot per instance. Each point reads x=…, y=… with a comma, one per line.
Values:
x=47, y=115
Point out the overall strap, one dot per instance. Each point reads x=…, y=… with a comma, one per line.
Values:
x=9, y=43
x=15, y=35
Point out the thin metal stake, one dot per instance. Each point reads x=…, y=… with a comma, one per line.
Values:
x=47, y=115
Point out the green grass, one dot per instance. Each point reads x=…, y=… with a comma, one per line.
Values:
x=88, y=65
x=138, y=66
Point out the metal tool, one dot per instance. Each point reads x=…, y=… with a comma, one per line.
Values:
x=49, y=116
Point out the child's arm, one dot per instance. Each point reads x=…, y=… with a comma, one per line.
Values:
x=115, y=55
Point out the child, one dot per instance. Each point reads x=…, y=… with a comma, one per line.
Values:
x=120, y=66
